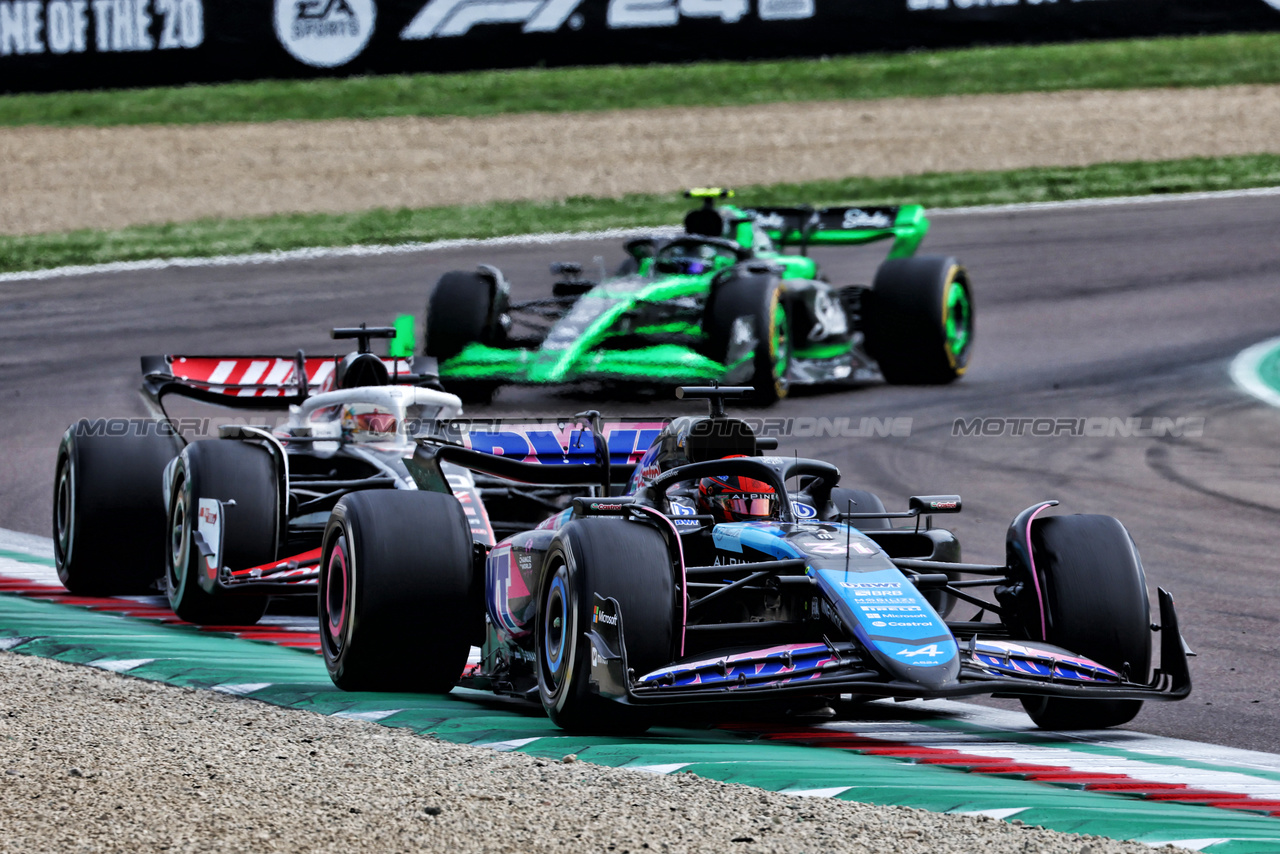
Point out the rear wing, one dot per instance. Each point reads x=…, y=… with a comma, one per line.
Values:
x=552, y=452
x=844, y=226
x=250, y=382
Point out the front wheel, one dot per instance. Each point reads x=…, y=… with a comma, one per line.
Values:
x=609, y=558
x=397, y=609
x=1096, y=605
x=223, y=508
x=918, y=320
x=752, y=308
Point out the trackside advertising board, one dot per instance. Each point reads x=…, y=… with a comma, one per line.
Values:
x=81, y=44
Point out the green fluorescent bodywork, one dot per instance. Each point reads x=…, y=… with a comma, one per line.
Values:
x=578, y=345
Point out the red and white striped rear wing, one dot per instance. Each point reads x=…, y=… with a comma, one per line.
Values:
x=249, y=382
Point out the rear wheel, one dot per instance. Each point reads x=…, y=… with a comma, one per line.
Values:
x=396, y=606
x=753, y=307
x=859, y=501
x=108, y=506
x=464, y=308
x=611, y=558
x=223, y=496
x=1096, y=605
x=919, y=320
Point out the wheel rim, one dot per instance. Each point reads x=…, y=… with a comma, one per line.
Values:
x=555, y=622
x=336, y=594
x=178, y=538
x=958, y=322
x=63, y=509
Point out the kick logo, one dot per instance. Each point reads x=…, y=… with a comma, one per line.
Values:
x=324, y=33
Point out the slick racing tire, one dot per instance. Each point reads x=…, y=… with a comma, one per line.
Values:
x=398, y=604
x=463, y=309
x=859, y=501
x=757, y=305
x=235, y=481
x=1096, y=605
x=918, y=320
x=108, y=506
x=611, y=558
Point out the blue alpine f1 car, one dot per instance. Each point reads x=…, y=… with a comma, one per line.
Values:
x=648, y=564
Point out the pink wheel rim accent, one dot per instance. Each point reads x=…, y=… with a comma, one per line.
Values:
x=337, y=619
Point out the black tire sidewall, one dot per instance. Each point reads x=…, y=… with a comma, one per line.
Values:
x=906, y=315
x=863, y=502
x=612, y=558
x=409, y=591
x=757, y=297
x=1096, y=604
x=113, y=514
x=225, y=470
x=460, y=311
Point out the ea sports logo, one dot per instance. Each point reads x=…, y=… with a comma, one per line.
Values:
x=324, y=33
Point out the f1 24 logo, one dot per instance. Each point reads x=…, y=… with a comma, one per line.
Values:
x=441, y=18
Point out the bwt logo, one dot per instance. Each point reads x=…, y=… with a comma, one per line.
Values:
x=543, y=446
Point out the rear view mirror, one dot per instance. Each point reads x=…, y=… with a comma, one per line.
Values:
x=934, y=503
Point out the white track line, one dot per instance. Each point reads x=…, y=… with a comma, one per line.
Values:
x=322, y=253
x=1245, y=373
x=1115, y=201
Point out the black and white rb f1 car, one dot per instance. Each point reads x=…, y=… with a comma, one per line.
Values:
x=705, y=579
x=222, y=525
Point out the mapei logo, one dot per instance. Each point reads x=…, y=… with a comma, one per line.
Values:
x=601, y=617
x=324, y=33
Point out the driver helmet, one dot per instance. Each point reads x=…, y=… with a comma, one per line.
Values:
x=693, y=259
x=367, y=422
x=734, y=498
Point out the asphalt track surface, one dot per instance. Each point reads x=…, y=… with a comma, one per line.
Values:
x=1107, y=312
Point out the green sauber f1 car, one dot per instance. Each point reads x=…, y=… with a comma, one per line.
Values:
x=722, y=302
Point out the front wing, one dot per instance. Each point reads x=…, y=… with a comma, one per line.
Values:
x=825, y=669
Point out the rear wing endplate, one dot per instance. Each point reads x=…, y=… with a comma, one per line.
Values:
x=249, y=382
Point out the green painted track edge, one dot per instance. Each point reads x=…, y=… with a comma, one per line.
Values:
x=185, y=656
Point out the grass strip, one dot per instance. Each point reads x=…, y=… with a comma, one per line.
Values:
x=1124, y=64
x=211, y=237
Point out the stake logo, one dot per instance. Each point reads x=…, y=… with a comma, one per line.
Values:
x=324, y=33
